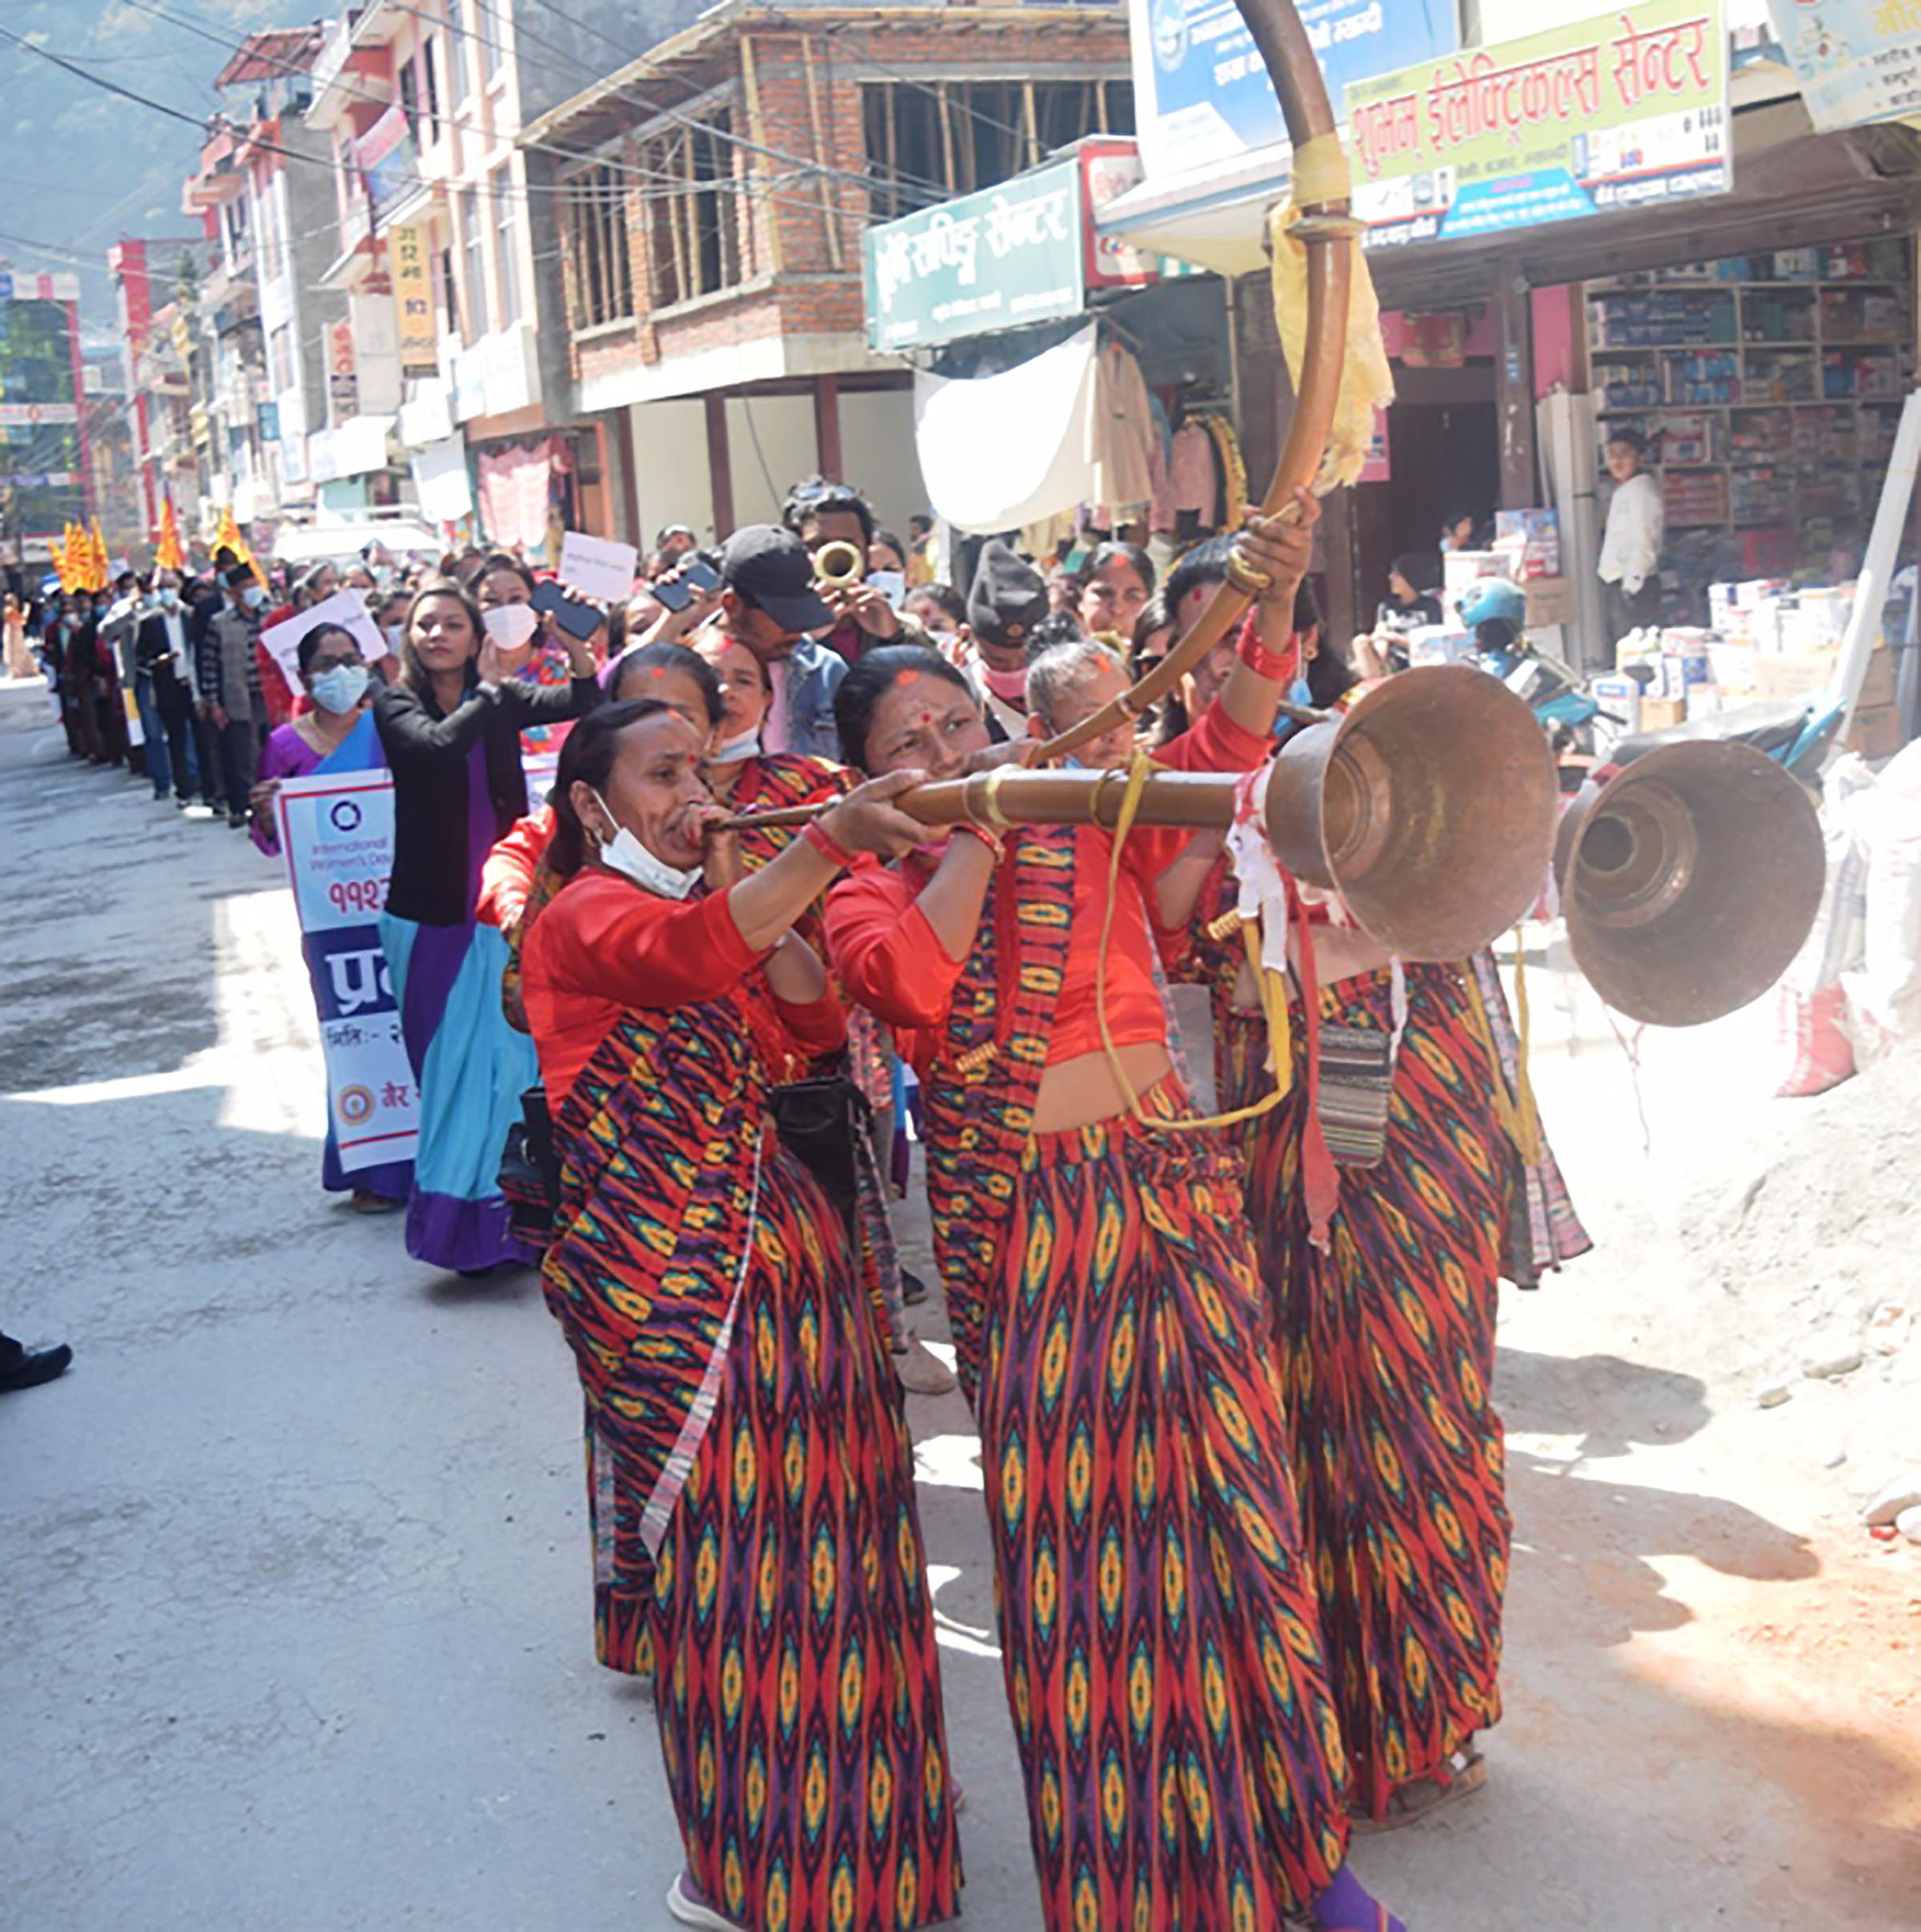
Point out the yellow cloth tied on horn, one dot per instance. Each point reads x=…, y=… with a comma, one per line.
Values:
x=1367, y=383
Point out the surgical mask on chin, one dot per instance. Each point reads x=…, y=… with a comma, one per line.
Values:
x=731, y=751
x=341, y=688
x=1009, y=687
x=626, y=854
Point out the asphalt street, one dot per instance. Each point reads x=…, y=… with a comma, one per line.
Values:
x=294, y=1571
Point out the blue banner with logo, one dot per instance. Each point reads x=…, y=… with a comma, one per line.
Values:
x=1203, y=96
x=337, y=832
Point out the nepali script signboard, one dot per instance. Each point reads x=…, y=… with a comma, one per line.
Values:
x=1623, y=112
x=1025, y=251
x=1857, y=60
x=338, y=834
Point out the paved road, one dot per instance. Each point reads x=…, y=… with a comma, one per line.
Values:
x=294, y=1576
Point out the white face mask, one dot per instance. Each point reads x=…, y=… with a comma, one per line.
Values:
x=511, y=625
x=341, y=688
x=626, y=854
x=731, y=751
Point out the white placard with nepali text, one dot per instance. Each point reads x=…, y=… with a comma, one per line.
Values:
x=597, y=566
x=346, y=608
x=337, y=832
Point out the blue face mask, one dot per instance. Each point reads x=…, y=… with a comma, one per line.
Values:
x=170, y=598
x=253, y=596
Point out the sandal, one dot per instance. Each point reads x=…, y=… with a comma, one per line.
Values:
x=1465, y=1773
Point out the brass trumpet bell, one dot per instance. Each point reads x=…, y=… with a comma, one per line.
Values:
x=839, y=565
x=1430, y=808
x=1690, y=881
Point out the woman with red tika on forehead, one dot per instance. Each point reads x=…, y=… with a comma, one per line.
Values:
x=1178, y=1736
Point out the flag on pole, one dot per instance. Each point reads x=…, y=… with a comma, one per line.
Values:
x=228, y=533
x=167, y=553
x=103, y=571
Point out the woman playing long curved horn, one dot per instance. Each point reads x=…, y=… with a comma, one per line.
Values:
x=1178, y=1736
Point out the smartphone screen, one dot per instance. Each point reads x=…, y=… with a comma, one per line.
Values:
x=577, y=620
x=671, y=592
x=701, y=575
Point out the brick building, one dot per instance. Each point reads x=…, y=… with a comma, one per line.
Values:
x=712, y=199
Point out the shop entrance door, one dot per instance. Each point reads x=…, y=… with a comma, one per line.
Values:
x=1443, y=457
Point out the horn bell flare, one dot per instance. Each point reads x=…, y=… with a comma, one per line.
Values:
x=1692, y=882
x=1430, y=808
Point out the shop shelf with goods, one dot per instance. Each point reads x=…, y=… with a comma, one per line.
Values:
x=1782, y=371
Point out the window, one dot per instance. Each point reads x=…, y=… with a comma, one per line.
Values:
x=506, y=249
x=450, y=295
x=492, y=26
x=470, y=230
x=410, y=97
x=961, y=135
x=597, y=247
x=456, y=59
x=430, y=83
x=695, y=245
x=280, y=357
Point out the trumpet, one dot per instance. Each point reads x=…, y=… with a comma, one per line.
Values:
x=1430, y=808
x=839, y=565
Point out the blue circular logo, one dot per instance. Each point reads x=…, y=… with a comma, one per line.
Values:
x=1169, y=23
x=345, y=815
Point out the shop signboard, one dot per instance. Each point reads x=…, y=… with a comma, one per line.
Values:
x=1857, y=60
x=1201, y=93
x=1626, y=111
x=413, y=301
x=385, y=155
x=343, y=372
x=1025, y=251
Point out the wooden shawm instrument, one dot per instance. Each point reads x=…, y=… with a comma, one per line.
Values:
x=839, y=565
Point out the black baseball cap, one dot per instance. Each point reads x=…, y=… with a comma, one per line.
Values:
x=769, y=567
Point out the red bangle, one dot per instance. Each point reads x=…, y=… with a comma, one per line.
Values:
x=994, y=843
x=824, y=843
x=1262, y=661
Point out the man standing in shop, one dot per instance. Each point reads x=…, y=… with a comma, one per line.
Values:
x=1630, y=549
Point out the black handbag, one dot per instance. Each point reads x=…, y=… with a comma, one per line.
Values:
x=817, y=1121
x=530, y=1171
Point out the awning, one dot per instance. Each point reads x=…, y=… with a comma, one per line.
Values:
x=999, y=451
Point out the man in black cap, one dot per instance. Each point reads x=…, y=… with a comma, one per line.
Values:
x=1008, y=600
x=768, y=602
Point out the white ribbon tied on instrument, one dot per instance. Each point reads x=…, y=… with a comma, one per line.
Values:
x=1263, y=889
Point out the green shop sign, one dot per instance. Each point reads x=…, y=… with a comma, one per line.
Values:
x=1008, y=255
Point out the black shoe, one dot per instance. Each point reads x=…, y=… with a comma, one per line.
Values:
x=913, y=1290
x=236, y=821
x=27, y=1368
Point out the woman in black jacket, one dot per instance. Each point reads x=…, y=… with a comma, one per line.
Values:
x=452, y=731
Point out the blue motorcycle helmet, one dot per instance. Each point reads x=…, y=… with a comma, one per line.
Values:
x=1493, y=599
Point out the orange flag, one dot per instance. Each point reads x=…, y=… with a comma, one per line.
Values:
x=103, y=571
x=167, y=553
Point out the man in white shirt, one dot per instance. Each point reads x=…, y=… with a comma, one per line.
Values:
x=1631, y=548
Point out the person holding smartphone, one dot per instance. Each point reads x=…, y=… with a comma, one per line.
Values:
x=451, y=729
x=523, y=619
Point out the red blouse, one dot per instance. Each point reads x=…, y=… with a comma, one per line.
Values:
x=604, y=946
x=891, y=960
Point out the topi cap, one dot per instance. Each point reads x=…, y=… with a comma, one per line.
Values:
x=1008, y=599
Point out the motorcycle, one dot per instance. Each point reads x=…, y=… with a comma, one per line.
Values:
x=1496, y=611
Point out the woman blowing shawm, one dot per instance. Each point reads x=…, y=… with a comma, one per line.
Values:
x=452, y=732
x=739, y=1393
x=1176, y=1732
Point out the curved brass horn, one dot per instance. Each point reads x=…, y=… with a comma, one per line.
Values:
x=1430, y=808
x=1690, y=881
x=839, y=564
x=1329, y=233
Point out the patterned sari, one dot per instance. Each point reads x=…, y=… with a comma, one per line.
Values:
x=753, y=1484
x=1177, y=1734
